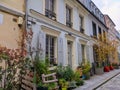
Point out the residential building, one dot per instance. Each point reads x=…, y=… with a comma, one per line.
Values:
x=96, y=27
x=11, y=24
x=62, y=30
x=11, y=18
x=113, y=35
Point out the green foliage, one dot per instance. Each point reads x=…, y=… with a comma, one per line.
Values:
x=63, y=83
x=76, y=76
x=72, y=84
x=65, y=72
x=40, y=67
x=79, y=82
x=60, y=71
x=51, y=86
x=86, y=67
x=68, y=73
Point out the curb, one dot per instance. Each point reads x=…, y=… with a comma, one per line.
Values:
x=106, y=81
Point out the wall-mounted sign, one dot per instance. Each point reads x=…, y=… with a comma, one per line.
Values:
x=1, y=18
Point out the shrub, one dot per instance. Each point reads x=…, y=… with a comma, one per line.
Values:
x=65, y=72
x=68, y=73
x=86, y=67
x=79, y=82
x=76, y=76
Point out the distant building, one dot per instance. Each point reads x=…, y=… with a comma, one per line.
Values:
x=113, y=35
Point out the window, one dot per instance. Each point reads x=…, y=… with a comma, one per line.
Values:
x=83, y=51
x=50, y=9
x=104, y=36
x=68, y=16
x=81, y=24
x=100, y=33
x=95, y=47
x=94, y=30
x=50, y=49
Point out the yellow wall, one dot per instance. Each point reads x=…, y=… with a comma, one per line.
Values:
x=16, y=4
x=9, y=31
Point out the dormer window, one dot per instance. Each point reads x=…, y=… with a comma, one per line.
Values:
x=50, y=9
x=92, y=7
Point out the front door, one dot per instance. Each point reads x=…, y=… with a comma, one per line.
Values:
x=69, y=45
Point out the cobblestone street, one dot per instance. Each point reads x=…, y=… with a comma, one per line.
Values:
x=113, y=84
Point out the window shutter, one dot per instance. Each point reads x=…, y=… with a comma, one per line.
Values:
x=79, y=53
x=60, y=51
x=87, y=52
x=38, y=42
x=35, y=29
x=42, y=44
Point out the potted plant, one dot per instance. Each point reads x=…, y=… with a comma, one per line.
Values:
x=99, y=69
x=72, y=85
x=115, y=65
x=68, y=73
x=86, y=70
x=100, y=50
x=79, y=82
x=40, y=67
x=63, y=84
x=52, y=86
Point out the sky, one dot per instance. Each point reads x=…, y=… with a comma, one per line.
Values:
x=112, y=8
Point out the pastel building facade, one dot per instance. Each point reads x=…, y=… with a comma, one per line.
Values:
x=11, y=15
x=64, y=31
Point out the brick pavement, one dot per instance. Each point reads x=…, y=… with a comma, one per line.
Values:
x=97, y=80
x=113, y=84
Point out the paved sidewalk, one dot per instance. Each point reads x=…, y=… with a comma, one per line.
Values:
x=113, y=84
x=97, y=80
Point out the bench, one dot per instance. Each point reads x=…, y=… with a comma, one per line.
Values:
x=27, y=81
x=53, y=80
x=44, y=78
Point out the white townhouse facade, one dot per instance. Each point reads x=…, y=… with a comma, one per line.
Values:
x=63, y=30
x=96, y=25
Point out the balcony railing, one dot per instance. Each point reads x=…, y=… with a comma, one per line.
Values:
x=50, y=14
x=69, y=23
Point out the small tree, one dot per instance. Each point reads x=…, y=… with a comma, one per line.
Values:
x=104, y=49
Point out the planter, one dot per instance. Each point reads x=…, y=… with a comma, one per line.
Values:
x=42, y=88
x=111, y=67
x=106, y=69
x=116, y=67
x=99, y=71
x=86, y=76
